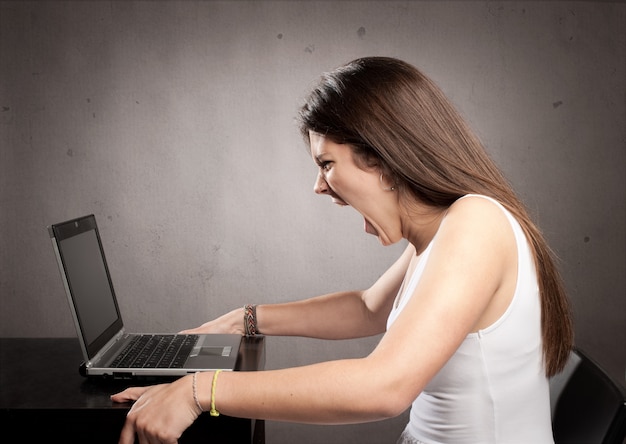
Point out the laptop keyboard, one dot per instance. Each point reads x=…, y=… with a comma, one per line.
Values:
x=151, y=351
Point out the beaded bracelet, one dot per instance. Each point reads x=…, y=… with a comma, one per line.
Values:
x=249, y=320
x=195, y=393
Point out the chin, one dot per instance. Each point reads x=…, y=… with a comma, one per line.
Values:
x=386, y=242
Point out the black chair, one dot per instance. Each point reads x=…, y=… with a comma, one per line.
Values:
x=588, y=407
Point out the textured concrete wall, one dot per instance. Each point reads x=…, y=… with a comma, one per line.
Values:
x=173, y=123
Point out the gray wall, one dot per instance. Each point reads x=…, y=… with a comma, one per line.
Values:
x=173, y=123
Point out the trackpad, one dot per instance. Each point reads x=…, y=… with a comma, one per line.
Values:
x=215, y=351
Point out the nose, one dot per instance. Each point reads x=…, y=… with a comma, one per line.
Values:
x=321, y=186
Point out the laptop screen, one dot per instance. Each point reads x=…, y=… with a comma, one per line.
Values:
x=88, y=280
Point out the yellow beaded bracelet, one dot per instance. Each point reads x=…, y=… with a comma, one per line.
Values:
x=213, y=411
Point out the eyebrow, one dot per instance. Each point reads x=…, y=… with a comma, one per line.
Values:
x=318, y=158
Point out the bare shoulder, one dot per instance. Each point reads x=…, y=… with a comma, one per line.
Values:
x=476, y=204
x=476, y=208
x=481, y=221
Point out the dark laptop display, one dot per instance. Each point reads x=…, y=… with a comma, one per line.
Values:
x=107, y=349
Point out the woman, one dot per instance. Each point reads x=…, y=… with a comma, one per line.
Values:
x=474, y=315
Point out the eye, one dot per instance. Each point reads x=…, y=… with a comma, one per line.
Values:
x=325, y=165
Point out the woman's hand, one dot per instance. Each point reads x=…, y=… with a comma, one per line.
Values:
x=161, y=413
x=230, y=323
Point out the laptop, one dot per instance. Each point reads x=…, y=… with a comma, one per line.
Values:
x=108, y=350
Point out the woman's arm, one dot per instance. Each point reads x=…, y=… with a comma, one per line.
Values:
x=472, y=260
x=341, y=315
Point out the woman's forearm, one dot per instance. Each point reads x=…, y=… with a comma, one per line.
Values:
x=336, y=392
x=334, y=316
x=339, y=315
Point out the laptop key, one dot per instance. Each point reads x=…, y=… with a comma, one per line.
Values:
x=151, y=351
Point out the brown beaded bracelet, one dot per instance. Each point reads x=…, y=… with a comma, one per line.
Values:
x=249, y=320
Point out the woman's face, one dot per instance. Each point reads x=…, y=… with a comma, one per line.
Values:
x=341, y=178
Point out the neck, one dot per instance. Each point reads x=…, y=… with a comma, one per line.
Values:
x=420, y=224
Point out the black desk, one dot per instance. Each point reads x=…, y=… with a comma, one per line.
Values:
x=59, y=405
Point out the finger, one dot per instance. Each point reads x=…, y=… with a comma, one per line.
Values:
x=127, y=435
x=130, y=394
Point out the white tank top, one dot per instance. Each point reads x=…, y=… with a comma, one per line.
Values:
x=493, y=389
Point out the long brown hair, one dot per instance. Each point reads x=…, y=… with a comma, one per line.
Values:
x=395, y=117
